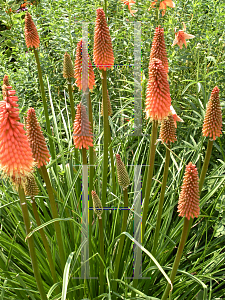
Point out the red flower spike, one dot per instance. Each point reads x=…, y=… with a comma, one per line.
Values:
x=188, y=204
x=212, y=126
x=158, y=99
x=82, y=133
x=84, y=73
x=168, y=130
x=31, y=34
x=16, y=159
x=103, y=51
x=36, y=139
x=158, y=49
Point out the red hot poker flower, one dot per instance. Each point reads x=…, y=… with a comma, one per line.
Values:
x=158, y=49
x=16, y=159
x=212, y=126
x=31, y=34
x=36, y=139
x=82, y=133
x=84, y=74
x=158, y=99
x=181, y=36
x=103, y=51
x=188, y=204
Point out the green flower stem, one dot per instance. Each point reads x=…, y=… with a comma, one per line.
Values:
x=150, y=173
x=205, y=164
x=101, y=236
x=183, y=239
x=121, y=242
x=54, y=214
x=106, y=134
x=71, y=99
x=161, y=200
x=84, y=156
x=52, y=150
x=113, y=173
x=105, y=8
x=45, y=242
x=31, y=245
x=91, y=177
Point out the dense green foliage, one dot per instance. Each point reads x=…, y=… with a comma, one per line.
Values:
x=193, y=73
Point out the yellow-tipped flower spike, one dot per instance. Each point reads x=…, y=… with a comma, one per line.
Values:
x=168, y=130
x=188, y=204
x=30, y=186
x=212, y=126
x=68, y=71
x=5, y=84
x=97, y=204
x=122, y=175
x=31, y=34
x=109, y=106
x=36, y=139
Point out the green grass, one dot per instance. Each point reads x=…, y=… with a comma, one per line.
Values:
x=193, y=73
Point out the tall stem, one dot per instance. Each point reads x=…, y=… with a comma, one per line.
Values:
x=31, y=245
x=101, y=236
x=121, y=242
x=91, y=158
x=113, y=173
x=45, y=242
x=161, y=200
x=178, y=257
x=150, y=173
x=54, y=214
x=71, y=99
x=105, y=8
x=52, y=150
x=205, y=165
x=106, y=126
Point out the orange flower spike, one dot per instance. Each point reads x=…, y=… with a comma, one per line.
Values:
x=84, y=73
x=129, y=3
x=212, y=126
x=31, y=34
x=158, y=99
x=168, y=130
x=16, y=159
x=176, y=118
x=158, y=49
x=181, y=36
x=188, y=204
x=36, y=139
x=103, y=51
x=82, y=133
